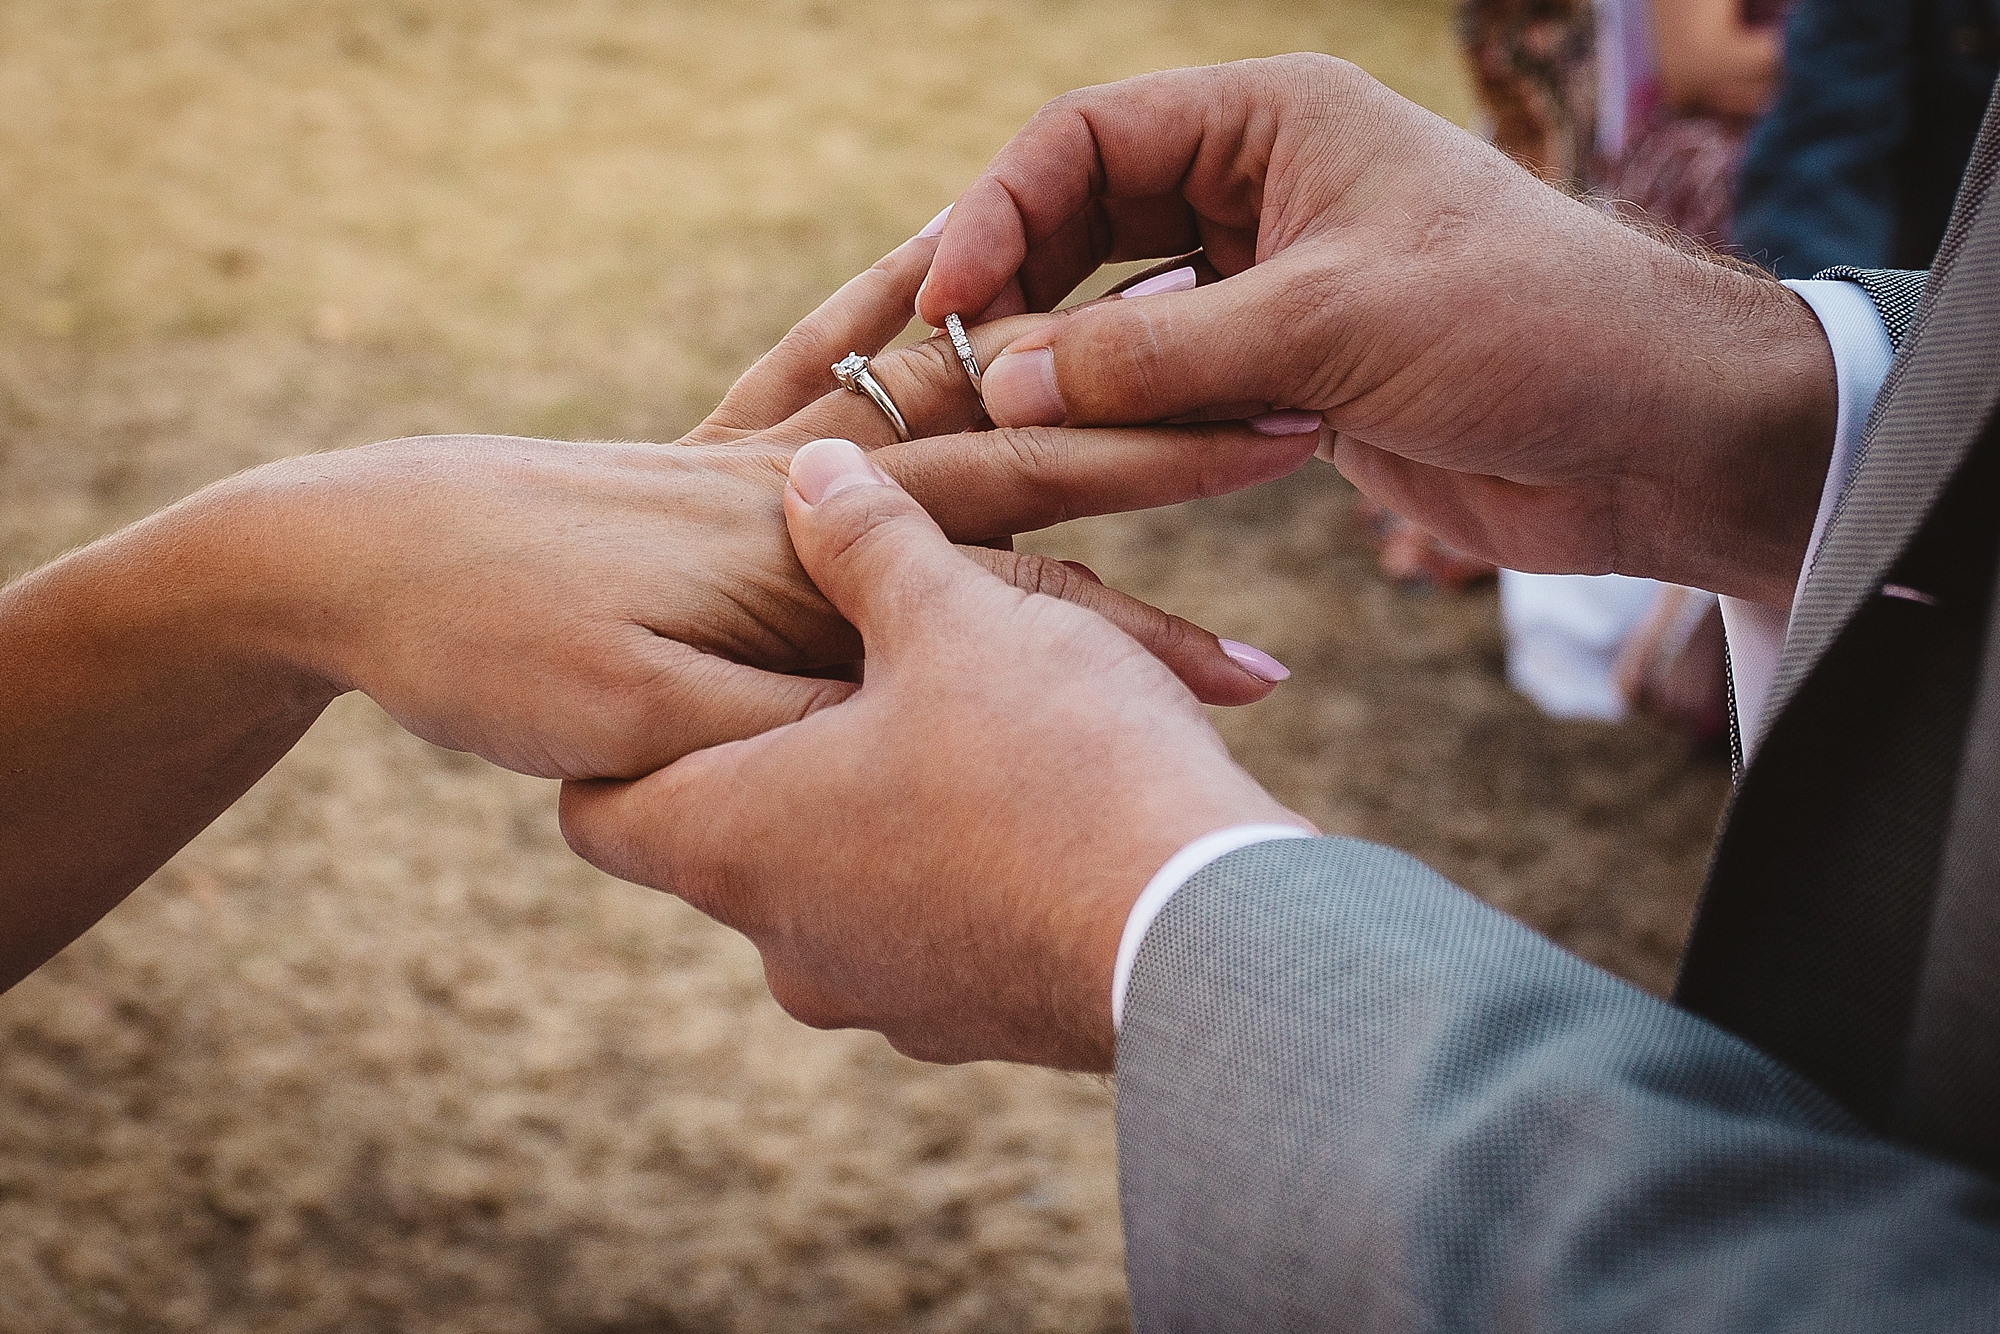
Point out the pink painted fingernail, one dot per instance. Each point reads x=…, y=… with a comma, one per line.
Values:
x=1020, y=389
x=1175, y=280
x=935, y=227
x=1255, y=661
x=825, y=468
x=1290, y=421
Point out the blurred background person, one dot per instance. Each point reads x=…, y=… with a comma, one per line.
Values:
x=1679, y=84
x=1645, y=104
x=1860, y=158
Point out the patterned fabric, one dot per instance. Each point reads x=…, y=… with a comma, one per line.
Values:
x=1811, y=940
x=1898, y=495
x=1896, y=293
x=1351, y=1097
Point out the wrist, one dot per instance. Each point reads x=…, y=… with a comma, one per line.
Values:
x=255, y=595
x=1097, y=935
x=1727, y=492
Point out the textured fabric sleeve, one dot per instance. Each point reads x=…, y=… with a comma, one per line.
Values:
x=1896, y=293
x=1860, y=339
x=1167, y=882
x=1351, y=1097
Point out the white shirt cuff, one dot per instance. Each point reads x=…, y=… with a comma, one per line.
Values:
x=1861, y=356
x=1180, y=868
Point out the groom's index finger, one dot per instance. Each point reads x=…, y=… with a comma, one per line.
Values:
x=1131, y=141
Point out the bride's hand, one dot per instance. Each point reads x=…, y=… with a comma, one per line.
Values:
x=591, y=610
x=568, y=610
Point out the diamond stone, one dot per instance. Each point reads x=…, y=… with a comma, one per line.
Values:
x=849, y=368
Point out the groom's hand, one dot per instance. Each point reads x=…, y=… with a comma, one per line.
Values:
x=979, y=484
x=1533, y=381
x=949, y=855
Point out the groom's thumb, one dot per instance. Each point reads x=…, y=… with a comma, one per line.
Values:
x=880, y=559
x=1162, y=351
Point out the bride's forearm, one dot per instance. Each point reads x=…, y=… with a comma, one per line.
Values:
x=137, y=702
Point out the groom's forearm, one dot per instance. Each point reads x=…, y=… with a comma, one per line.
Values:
x=137, y=702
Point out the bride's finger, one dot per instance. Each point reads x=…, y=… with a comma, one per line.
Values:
x=1190, y=652
x=990, y=483
x=927, y=382
x=931, y=387
x=868, y=311
x=1149, y=279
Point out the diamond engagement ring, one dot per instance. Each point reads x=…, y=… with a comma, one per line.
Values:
x=855, y=377
x=954, y=329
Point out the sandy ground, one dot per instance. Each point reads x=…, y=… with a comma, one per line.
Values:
x=375, y=1052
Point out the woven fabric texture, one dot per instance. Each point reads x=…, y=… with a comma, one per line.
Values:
x=1920, y=431
x=1812, y=937
x=1351, y=1097
x=1896, y=293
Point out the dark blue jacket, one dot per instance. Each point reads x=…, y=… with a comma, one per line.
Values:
x=1859, y=160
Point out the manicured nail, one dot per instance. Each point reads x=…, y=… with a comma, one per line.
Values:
x=935, y=227
x=1020, y=389
x=1175, y=280
x=1256, y=662
x=1290, y=421
x=825, y=468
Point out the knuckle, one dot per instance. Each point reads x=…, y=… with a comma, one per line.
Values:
x=926, y=382
x=1046, y=576
x=803, y=346
x=929, y=364
x=875, y=526
x=1313, y=65
x=1038, y=457
x=1169, y=638
x=1005, y=565
x=1071, y=102
x=885, y=271
x=1036, y=453
x=1126, y=349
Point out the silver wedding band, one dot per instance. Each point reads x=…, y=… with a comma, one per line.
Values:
x=954, y=329
x=855, y=377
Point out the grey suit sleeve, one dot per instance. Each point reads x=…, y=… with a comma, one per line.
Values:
x=1352, y=1097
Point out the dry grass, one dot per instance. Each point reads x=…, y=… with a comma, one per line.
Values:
x=376, y=1053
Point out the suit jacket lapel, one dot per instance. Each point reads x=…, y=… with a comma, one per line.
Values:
x=1812, y=937
x=1940, y=392
x=1951, y=1083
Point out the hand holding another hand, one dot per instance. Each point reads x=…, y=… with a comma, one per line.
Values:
x=1538, y=384
x=948, y=856
x=567, y=610
x=588, y=610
